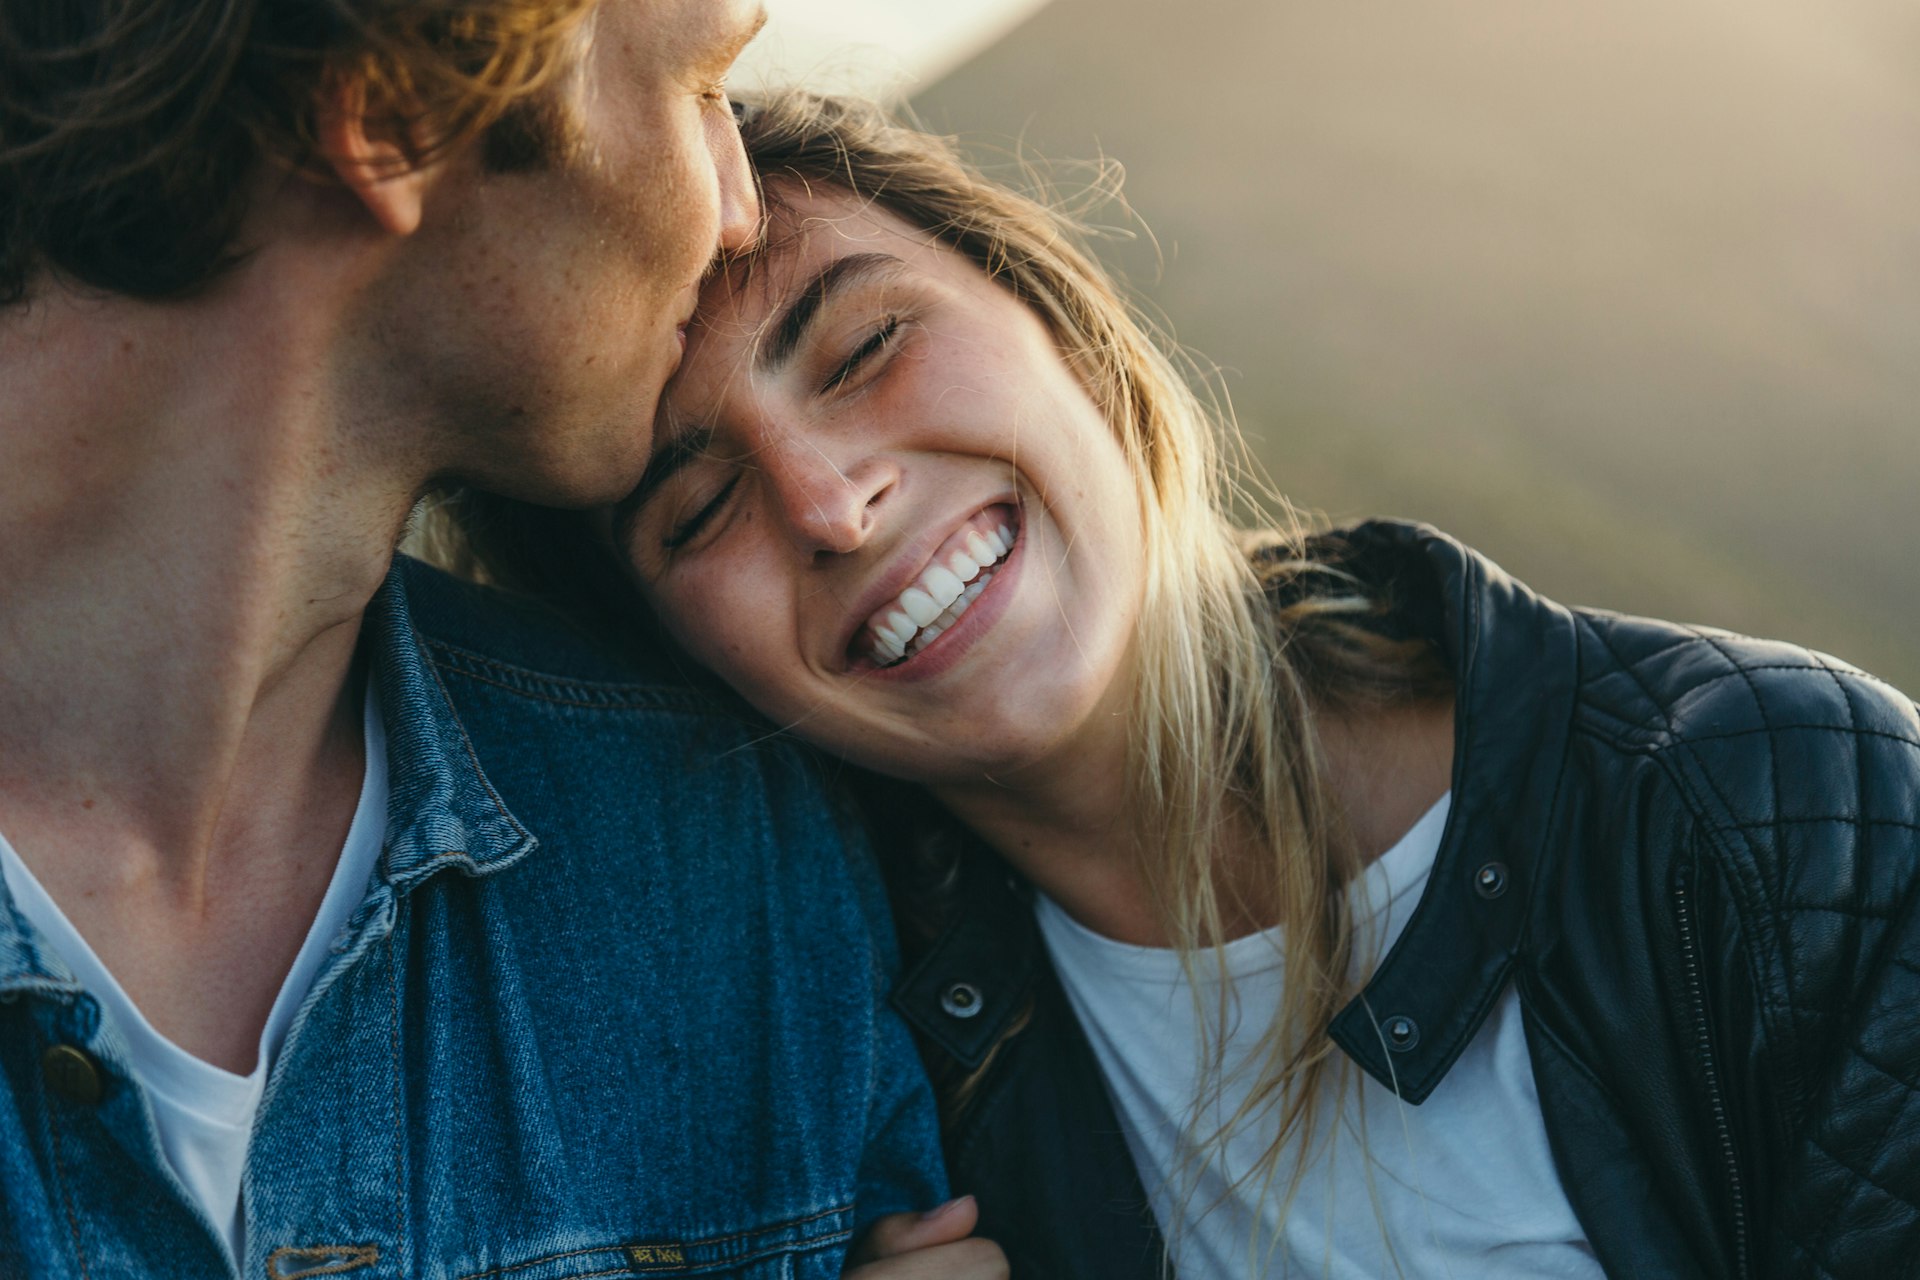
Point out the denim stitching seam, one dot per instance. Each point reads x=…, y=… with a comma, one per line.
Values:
x=357, y=1256
x=399, y=1137
x=66, y=1195
x=688, y=1244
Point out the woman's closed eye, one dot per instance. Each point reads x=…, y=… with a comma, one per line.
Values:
x=689, y=529
x=870, y=347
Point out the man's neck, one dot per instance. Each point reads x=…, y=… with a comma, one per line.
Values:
x=189, y=532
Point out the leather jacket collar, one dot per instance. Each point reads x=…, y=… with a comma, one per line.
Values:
x=1515, y=690
x=1515, y=687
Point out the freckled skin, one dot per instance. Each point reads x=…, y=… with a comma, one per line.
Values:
x=554, y=297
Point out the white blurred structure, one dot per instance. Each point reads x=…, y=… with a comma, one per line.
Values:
x=882, y=48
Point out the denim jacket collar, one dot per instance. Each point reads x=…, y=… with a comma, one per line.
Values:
x=442, y=812
x=25, y=969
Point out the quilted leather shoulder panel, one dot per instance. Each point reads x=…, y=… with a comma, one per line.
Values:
x=1804, y=775
x=1777, y=734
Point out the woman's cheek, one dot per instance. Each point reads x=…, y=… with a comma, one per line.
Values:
x=730, y=630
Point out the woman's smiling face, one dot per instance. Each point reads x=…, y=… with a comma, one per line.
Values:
x=884, y=509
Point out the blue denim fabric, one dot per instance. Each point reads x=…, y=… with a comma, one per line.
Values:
x=614, y=1005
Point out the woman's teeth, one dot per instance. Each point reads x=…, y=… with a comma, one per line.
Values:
x=945, y=589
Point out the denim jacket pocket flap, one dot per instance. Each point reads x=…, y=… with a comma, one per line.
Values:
x=774, y=1252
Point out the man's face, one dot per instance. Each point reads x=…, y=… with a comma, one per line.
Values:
x=545, y=307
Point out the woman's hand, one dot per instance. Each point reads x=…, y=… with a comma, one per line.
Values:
x=927, y=1246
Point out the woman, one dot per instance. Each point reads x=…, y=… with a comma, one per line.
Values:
x=1320, y=903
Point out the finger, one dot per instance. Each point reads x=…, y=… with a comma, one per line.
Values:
x=973, y=1259
x=899, y=1233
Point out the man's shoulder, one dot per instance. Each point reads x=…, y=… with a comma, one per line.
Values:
x=537, y=696
x=523, y=645
x=594, y=745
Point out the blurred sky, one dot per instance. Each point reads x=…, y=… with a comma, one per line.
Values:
x=1627, y=295
x=883, y=48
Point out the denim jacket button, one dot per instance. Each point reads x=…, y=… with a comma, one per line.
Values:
x=73, y=1074
x=962, y=1000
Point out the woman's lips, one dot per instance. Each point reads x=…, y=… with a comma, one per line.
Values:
x=957, y=574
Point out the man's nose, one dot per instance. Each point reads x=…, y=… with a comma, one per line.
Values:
x=739, y=194
x=829, y=504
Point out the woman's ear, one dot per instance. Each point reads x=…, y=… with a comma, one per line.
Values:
x=369, y=157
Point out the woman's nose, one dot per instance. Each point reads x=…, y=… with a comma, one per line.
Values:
x=829, y=504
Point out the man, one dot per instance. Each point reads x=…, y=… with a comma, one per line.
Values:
x=353, y=921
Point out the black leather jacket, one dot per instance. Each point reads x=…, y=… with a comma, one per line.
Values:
x=1699, y=857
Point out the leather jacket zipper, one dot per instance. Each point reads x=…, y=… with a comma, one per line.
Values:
x=1697, y=999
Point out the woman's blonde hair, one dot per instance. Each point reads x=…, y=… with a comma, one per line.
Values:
x=1243, y=640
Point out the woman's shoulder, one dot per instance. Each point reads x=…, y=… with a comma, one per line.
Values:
x=1674, y=684
x=1662, y=683
x=1755, y=732
x=1783, y=756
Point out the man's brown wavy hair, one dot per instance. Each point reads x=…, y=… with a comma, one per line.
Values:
x=131, y=130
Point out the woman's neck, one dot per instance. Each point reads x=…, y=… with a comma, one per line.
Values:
x=1068, y=826
x=1386, y=767
x=1063, y=823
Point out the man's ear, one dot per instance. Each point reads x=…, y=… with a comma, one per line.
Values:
x=367, y=156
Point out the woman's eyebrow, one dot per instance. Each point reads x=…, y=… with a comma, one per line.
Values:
x=787, y=331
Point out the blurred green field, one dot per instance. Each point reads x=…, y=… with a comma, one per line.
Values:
x=1628, y=296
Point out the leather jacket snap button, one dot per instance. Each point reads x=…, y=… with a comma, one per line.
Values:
x=962, y=1000
x=1490, y=881
x=1402, y=1032
x=73, y=1074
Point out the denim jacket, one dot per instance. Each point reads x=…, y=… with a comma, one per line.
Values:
x=613, y=1005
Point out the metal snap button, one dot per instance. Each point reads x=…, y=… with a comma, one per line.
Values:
x=962, y=1000
x=1490, y=881
x=73, y=1074
x=1402, y=1032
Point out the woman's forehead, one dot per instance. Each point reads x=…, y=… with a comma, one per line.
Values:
x=806, y=228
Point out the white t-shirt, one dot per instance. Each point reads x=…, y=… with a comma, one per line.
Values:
x=205, y=1113
x=1463, y=1185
